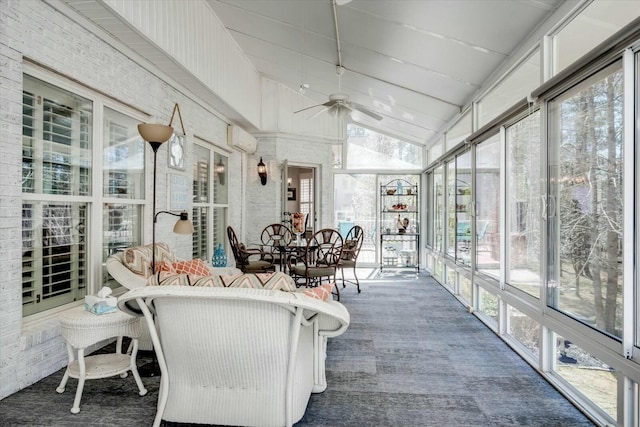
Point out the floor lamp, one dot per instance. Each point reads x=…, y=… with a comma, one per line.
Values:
x=156, y=135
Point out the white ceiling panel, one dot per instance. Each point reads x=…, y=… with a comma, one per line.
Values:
x=416, y=62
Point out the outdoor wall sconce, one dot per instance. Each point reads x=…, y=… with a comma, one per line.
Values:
x=262, y=172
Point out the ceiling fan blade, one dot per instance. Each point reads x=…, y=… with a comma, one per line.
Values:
x=366, y=111
x=308, y=108
x=317, y=113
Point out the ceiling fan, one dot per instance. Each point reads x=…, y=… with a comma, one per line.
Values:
x=339, y=102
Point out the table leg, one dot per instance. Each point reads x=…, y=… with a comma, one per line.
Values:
x=134, y=368
x=83, y=375
x=65, y=378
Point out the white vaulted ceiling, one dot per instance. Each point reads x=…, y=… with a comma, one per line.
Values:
x=416, y=62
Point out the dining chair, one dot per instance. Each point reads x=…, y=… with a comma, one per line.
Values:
x=349, y=255
x=319, y=260
x=274, y=237
x=243, y=256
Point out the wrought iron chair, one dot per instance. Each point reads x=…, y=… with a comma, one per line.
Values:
x=274, y=238
x=349, y=255
x=319, y=259
x=243, y=255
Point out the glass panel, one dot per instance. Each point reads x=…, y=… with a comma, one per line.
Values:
x=465, y=289
x=488, y=304
x=56, y=140
x=458, y=131
x=524, y=329
x=587, y=185
x=591, y=377
x=367, y=149
x=592, y=26
x=437, y=272
x=201, y=162
x=463, y=206
x=516, y=86
x=123, y=156
x=436, y=150
x=355, y=203
x=122, y=225
x=523, y=204
x=54, y=254
x=451, y=208
x=488, y=206
x=200, y=242
x=451, y=279
x=438, y=207
x=220, y=184
x=336, y=156
x=220, y=228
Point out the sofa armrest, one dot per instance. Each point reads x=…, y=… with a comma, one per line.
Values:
x=120, y=272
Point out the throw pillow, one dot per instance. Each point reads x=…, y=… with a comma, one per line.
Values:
x=322, y=292
x=138, y=258
x=194, y=267
x=272, y=281
x=166, y=278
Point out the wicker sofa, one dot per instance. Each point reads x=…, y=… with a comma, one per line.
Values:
x=233, y=355
x=236, y=356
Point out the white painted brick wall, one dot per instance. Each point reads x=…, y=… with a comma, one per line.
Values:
x=34, y=31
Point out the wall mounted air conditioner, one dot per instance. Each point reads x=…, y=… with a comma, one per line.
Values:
x=241, y=139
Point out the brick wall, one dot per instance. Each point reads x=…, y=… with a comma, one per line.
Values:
x=33, y=31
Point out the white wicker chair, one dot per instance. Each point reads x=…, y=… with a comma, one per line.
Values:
x=236, y=356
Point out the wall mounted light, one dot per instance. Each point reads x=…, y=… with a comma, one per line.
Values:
x=262, y=172
x=288, y=182
x=219, y=170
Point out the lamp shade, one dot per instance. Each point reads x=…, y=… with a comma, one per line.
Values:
x=153, y=132
x=183, y=225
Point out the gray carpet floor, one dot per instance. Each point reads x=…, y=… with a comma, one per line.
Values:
x=412, y=356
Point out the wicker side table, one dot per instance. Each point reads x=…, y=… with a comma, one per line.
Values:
x=81, y=329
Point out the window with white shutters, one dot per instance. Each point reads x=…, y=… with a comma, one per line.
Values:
x=56, y=183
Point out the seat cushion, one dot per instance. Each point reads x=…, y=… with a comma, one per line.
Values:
x=347, y=263
x=322, y=292
x=254, y=266
x=300, y=270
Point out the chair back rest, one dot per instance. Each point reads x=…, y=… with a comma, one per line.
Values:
x=325, y=247
x=276, y=235
x=352, y=243
x=235, y=246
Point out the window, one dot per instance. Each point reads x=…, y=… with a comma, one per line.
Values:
x=523, y=205
x=209, y=184
x=306, y=193
x=517, y=85
x=56, y=164
x=122, y=185
x=487, y=206
x=599, y=20
x=367, y=149
x=586, y=186
x=59, y=200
